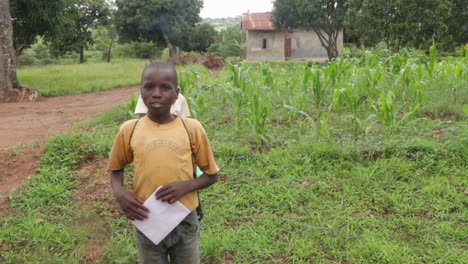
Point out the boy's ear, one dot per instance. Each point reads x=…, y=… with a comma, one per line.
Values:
x=177, y=91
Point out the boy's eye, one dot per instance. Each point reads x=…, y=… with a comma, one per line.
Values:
x=166, y=87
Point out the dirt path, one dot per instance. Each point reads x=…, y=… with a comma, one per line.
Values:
x=27, y=122
x=25, y=127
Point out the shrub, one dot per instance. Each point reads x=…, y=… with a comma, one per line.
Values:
x=140, y=50
x=183, y=59
x=212, y=61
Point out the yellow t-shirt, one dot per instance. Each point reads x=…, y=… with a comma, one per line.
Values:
x=162, y=155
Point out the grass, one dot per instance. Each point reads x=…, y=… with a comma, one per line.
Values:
x=357, y=192
x=55, y=80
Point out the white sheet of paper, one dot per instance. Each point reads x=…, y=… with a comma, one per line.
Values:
x=162, y=218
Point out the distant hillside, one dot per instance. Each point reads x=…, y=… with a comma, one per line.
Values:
x=223, y=23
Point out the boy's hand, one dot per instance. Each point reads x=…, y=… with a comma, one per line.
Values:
x=131, y=205
x=174, y=191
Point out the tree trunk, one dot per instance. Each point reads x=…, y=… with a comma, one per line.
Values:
x=8, y=79
x=172, y=48
x=10, y=90
x=81, y=55
x=109, y=51
x=328, y=41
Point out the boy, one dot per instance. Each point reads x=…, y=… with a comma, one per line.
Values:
x=163, y=148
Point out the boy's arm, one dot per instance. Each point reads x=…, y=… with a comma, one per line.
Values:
x=131, y=205
x=174, y=191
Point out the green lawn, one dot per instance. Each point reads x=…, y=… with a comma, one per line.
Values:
x=54, y=80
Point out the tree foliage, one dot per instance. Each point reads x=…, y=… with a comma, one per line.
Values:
x=32, y=18
x=84, y=16
x=104, y=38
x=202, y=36
x=414, y=23
x=165, y=22
x=230, y=42
x=325, y=17
x=458, y=22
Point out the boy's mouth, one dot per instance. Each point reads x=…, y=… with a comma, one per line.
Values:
x=156, y=105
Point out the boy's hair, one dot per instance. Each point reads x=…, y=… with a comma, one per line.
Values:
x=161, y=65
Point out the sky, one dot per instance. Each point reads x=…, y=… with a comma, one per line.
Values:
x=233, y=8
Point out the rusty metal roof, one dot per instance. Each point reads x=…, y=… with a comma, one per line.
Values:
x=257, y=21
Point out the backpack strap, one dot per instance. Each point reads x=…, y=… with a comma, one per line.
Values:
x=191, y=148
x=199, y=208
x=133, y=130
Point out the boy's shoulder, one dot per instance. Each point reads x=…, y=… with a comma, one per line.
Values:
x=128, y=125
x=192, y=124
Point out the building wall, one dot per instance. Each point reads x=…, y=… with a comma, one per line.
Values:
x=255, y=50
x=305, y=46
x=308, y=47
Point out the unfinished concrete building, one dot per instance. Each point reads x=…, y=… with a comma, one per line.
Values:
x=264, y=42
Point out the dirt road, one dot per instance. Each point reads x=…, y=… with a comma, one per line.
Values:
x=27, y=122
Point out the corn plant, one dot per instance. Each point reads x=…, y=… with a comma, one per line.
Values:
x=431, y=64
x=306, y=79
x=460, y=72
x=354, y=94
x=188, y=81
x=337, y=69
x=258, y=117
x=287, y=92
x=237, y=98
x=198, y=102
x=385, y=109
x=267, y=74
x=397, y=61
x=240, y=75
x=318, y=88
x=419, y=92
x=130, y=107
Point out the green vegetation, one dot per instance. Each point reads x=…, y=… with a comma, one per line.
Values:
x=53, y=80
x=360, y=160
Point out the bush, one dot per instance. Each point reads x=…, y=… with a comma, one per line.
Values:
x=212, y=61
x=184, y=59
x=28, y=57
x=140, y=50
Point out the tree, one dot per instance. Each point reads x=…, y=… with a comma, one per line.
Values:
x=325, y=17
x=105, y=37
x=8, y=79
x=32, y=18
x=413, y=23
x=83, y=17
x=458, y=22
x=230, y=42
x=202, y=36
x=165, y=22
x=10, y=90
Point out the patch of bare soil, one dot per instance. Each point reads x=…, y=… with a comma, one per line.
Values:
x=16, y=165
x=26, y=126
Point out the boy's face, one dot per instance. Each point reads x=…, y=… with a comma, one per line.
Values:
x=158, y=90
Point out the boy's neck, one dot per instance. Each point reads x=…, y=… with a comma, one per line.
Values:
x=161, y=119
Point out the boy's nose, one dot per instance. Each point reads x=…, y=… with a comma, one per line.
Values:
x=157, y=92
